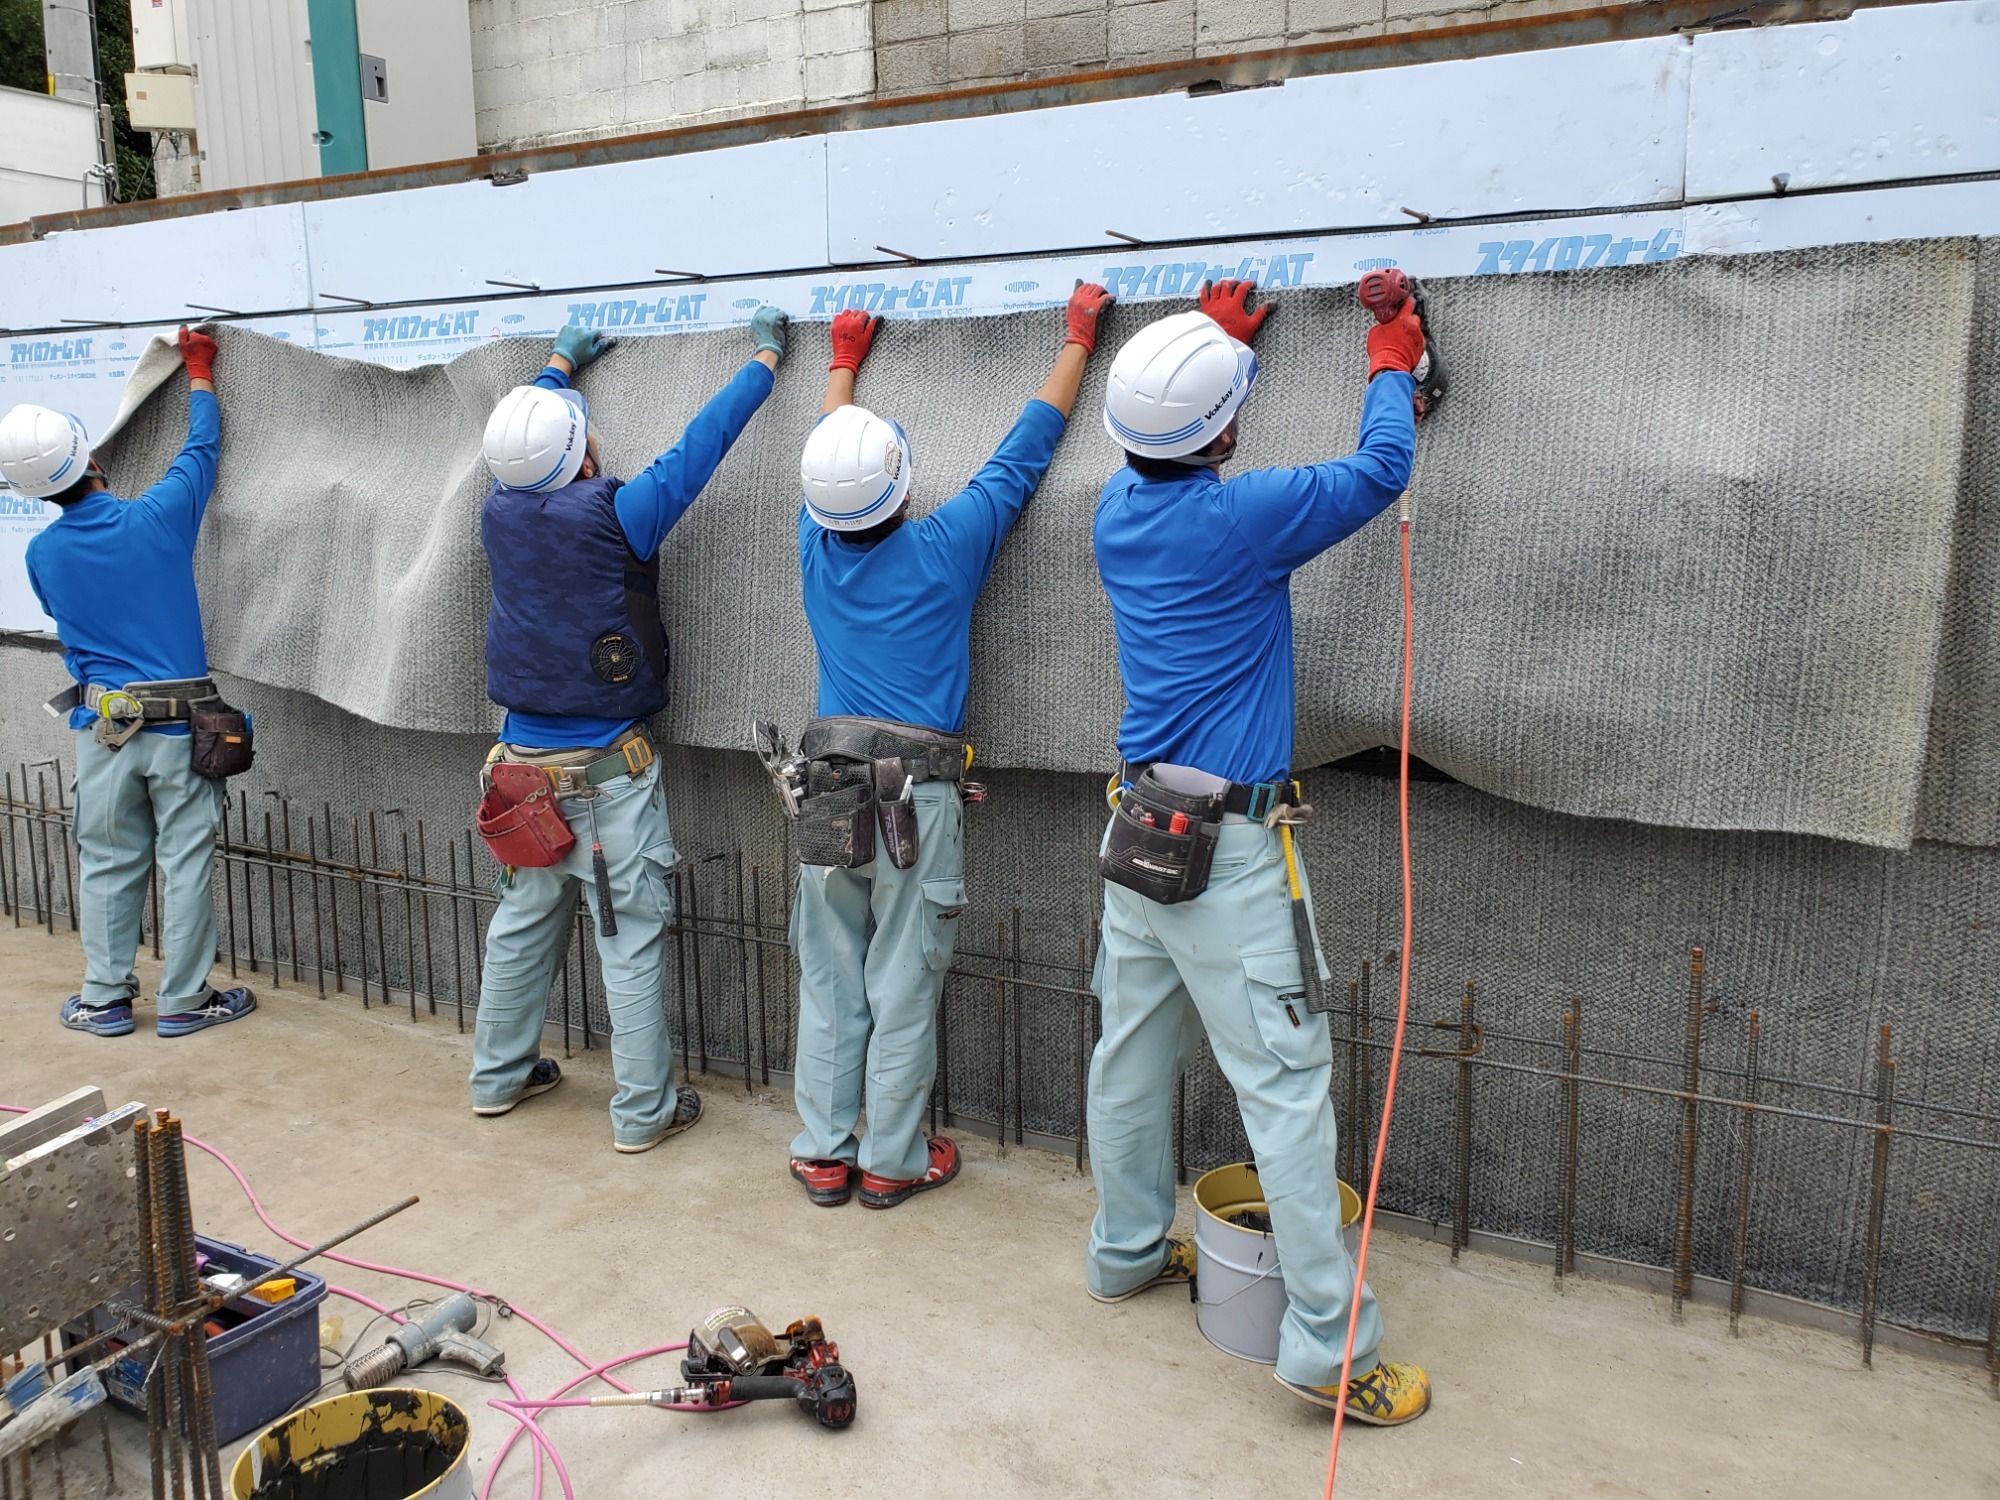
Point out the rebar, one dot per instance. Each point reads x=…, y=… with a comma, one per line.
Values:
x=424, y=902
x=457, y=936
x=361, y=912
x=1461, y=1211
x=1000, y=1049
x=679, y=928
x=1878, y=1188
x=333, y=907
x=1020, y=1067
x=694, y=945
x=34, y=872
x=48, y=861
x=312, y=890
x=1750, y=1061
x=763, y=1027
x=1690, y=1122
x=13, y=853
x=67, y=825
x=1566, y=1209
x=271, y=900
x=743, y=973
x=291, y=893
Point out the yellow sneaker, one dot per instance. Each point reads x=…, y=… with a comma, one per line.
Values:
x=1176, y=1270
x=1387, y=1396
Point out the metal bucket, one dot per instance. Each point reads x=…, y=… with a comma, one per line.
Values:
x=1240, y=1292
x=388, y=1444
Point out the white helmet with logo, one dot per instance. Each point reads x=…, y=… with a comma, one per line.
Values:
x=855, y=470
x=42, y=452
x=1175, y=385
x=536, y=438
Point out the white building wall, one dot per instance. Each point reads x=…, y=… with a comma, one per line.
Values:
x=561, y=70
x=429, y=113
x=253, y=101
x=46, y=147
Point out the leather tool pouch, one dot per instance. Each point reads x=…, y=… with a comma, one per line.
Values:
x=1144, y=854
x=836, y=822
x=223, y=744
x=519, y=819
x=896, y=812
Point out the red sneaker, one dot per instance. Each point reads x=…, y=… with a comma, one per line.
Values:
x=825, y=1182
x=885, y=1192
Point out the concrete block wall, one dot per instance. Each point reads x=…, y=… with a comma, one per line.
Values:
x=548, y=71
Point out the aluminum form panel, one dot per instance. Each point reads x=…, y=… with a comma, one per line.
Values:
x=743, y=208
x=254, y=112
x=1909, y=91
x=1584, y=127
x=68, y=1226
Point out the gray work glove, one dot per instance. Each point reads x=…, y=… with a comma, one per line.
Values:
x=580, y=345
x=769, y=328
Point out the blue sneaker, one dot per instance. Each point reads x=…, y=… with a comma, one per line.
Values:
x=98, y=1020
x=221, y=1007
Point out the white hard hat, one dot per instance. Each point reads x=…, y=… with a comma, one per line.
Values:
x=855, y=470
x=536, y=438
x=42, y=452
x=1175, y=385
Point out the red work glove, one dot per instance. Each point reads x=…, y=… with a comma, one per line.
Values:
x=1397, y=344
x=1227, y=302
x=198, y=354
x=853, y=332
x=1087, y=304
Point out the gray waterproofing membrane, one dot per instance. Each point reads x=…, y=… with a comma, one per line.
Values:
x=1825, y=939
x=1688, y=536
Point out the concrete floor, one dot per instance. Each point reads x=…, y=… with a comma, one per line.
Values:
x=982, y=1366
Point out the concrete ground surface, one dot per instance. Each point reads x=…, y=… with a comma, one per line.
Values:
x=982, y=1366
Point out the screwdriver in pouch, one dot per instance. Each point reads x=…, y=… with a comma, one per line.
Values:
x=600, y=873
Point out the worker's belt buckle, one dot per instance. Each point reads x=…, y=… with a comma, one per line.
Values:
x=115, y=703
x=1263, y=797
x=638, y=753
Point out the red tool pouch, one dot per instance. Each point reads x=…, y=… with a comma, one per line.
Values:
x=519, y=819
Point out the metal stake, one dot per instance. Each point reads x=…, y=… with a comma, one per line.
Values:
x=1878, y=1188
x=1750, y=1081
x=1690, y=1120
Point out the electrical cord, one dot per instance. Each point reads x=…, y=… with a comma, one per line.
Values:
x=1402, y=1002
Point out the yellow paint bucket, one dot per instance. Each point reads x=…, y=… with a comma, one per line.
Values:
x=1239, y=1289
x=388, y=1444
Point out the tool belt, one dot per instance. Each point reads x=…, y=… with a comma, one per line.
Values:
x=1250, y=799
x=518, y=816
x=1162, y=842
x=859, y=774
x=220, y=736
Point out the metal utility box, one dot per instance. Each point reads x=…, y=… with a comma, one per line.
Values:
x=160, y=38
x=160, y=101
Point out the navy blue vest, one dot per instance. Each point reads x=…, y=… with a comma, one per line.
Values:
x=575, y=626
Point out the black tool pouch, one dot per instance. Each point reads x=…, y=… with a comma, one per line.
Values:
x=222, y=743
x=896, y=812
x=836, y=821
x=1144, y=854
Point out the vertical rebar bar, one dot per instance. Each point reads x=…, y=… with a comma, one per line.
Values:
x=354, y=874
x=424, y=903
x=142, y=1176
x=13, y=852
x=229, y=883
x=694, y=947
x=1690, y=1123
x=743, y=971
x=34, y=871
x=457, y=936
x=7, y=900
x=1020, y=1013
x=68, y=826
x=763, y=1023
x=271, y=899
x=1365, y=1136
x=48, y=860
x=583, y=951
x=333, y=903
x=409, y=912
x=677, y=881
x=1000, y=1037
x=1572, y=1066
x=381, y=920
x=1878, y=1191
x=1751, y=1061
x=478, y=938
x=206, y=1455
x=291, y=892
x=167, y=1367
x=1461, y=1200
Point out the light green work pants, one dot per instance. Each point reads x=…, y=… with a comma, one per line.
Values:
x=136, y=805
x=529, y=938
x=873, y=945
x=1226, y=962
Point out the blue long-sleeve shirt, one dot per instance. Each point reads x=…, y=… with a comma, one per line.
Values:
x=893, y=622
x=648, y=506
x=1199, y=570
x=117, y=576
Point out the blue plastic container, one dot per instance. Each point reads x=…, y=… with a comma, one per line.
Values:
x=261, y=1368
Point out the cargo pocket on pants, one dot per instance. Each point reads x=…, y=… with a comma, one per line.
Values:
x=1275, y=986
x=944, y=904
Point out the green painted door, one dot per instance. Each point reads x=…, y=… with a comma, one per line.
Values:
x=336, y=60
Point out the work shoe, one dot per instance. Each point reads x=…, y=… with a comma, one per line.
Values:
x=543, y=1076
x=886, y=1192
x=1176, y=1270
x=1387, y=1396
x=220, y=1008
x=98, y=1020
x=687, y=1110
x=825, y=1182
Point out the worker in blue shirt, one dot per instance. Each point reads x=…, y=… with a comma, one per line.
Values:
x=577, y=656
x=1198, y=930
x=117, y=577
x=889, y=600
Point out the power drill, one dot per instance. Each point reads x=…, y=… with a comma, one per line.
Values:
x=444, y=1333
x=732, y=1357
x=1383, y=293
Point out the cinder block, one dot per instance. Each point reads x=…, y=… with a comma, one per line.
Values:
x=1037, y=10
x=602, y=68
x=907, y=67
x=1330, y=15
x=995, y=52
x=742, y=12
x=785, y=40
x=830, y=31
x=845, y=75
x=1067, y=43
x=1161, y=28
x=668, y=57
x=1230, y=22
x=971, y=15
x=906, y=20
x=738, y=46
x=652, y=104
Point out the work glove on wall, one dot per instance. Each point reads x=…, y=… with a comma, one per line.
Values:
x=770, y=327
x=1228, y=303
x=198, y=354
x=853, y=334
x=1087, y=306
x=580, y=345
x=1397, y=344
